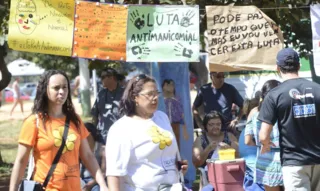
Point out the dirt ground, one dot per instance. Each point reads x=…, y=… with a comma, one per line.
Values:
x=27, y=106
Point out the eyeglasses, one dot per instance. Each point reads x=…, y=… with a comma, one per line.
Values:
x=168, y=81
x=214, y=124
x=141, y=76
x=104, y=76
x=151, y=94
x=216, y=75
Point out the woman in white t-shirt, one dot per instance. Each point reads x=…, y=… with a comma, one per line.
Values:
x=141, y=149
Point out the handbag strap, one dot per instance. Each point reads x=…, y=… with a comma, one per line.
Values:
x=59, y=153
x=180, y=174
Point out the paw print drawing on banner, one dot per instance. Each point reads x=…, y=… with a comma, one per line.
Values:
x=137, y=20
x=163, y=138
x=186, y=19
x=71, y=138
x=140, y=50
x=183, y=51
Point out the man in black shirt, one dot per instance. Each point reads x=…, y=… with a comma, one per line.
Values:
x=218, y=96
x=105, y=110
x=295, y=105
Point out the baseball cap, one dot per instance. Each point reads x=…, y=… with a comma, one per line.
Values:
x=108, y=72
x=287, y=57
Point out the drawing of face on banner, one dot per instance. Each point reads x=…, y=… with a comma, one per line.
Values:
x=163, y=33
x=43, y=26
x=26, y=16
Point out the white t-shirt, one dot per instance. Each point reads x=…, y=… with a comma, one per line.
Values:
x=143, y=152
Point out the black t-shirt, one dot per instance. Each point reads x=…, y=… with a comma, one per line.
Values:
x=106, y=109
x=295, y=104
x=220, y=100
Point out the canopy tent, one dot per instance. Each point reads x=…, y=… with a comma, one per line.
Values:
x=24, y=68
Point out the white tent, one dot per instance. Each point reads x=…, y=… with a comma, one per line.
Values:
x=24, y=68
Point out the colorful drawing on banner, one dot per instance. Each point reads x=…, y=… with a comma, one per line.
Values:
x=41, y=26
x=100, y=31
x=163, y=34
x=241, y=38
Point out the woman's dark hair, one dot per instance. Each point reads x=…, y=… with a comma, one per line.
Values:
x=93, y=131
x=168, y=81
x=267, y=86
x=209, y=116
x=133, y=88
x=41, y=101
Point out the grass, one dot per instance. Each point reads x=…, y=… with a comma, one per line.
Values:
x=9, y=139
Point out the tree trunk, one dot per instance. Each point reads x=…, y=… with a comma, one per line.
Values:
x=5, y=77
x=85, y=87
x=5, y=74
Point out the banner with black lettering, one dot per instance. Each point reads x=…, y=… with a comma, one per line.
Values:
x=241, y=38
x=163, y=33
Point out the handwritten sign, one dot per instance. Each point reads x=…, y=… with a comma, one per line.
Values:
x=241, y=38
x=100, y=31
x=42, y=26
x=163, y=33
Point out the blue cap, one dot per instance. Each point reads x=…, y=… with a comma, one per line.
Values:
x=287, y=57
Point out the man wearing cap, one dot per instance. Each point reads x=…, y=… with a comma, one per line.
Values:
x=105, y=110
x=218, y=96
x=295, y=105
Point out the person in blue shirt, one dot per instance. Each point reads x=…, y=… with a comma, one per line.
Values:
x=218, y=96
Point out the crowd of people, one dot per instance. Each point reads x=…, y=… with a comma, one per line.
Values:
x=131, y=145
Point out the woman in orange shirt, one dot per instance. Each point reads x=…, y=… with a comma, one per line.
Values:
x=43, y=132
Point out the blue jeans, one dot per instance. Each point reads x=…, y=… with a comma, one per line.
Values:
x=209, y=187
x=95, y=187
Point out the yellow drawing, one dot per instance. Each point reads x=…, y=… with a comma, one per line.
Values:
x=58, y=134
x=27, y=18
x=160, y=137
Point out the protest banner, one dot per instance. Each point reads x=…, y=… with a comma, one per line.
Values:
x=100, y=31
x=315, y=25
x=241, y=38
x=42, y=26
x=163, y=33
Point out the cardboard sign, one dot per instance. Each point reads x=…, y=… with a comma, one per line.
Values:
x=100, y=31
x=241, y=38
x=42, y=26
x=163, y=33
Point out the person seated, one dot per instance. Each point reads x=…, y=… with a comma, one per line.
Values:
x=89, y=184
x=213, y=138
